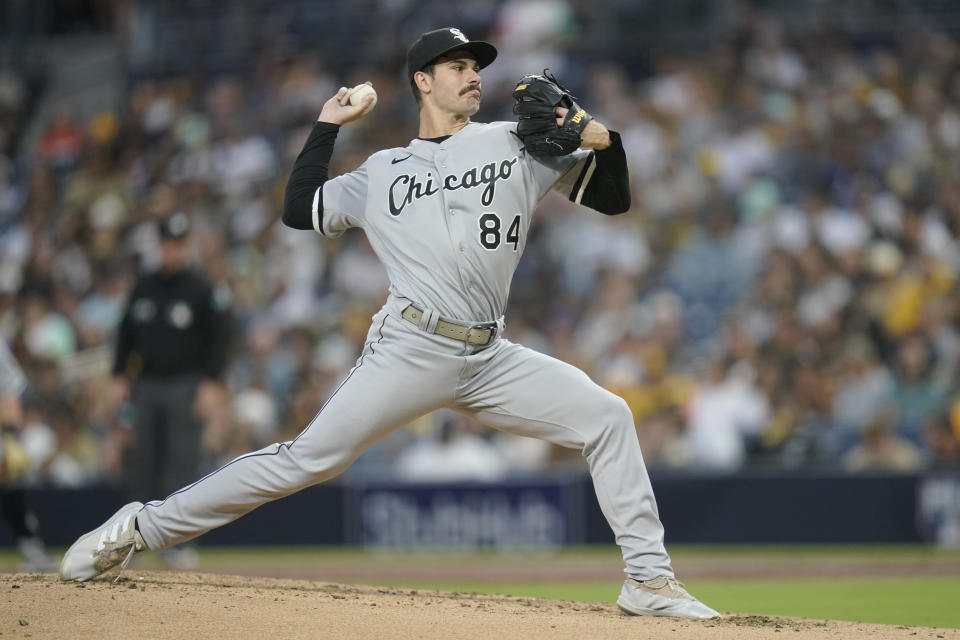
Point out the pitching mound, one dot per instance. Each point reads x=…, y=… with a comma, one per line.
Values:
x=189, y=605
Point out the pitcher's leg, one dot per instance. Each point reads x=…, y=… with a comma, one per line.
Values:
x=381, y=393
x=525, y=392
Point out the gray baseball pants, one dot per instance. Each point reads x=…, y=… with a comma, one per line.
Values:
x=404, y=373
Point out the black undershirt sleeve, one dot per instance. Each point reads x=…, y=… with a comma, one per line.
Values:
x=608, y=189
x=308, y=174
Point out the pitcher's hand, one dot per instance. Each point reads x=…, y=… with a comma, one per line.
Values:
x=338, y=110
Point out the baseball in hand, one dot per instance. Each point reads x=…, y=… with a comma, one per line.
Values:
x=357, y=95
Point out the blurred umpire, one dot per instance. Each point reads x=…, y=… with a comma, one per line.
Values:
x=171, y=350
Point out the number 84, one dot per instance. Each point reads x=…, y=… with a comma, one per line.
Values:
x=490, y=236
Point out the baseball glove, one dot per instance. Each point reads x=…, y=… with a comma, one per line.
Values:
x=536, y=99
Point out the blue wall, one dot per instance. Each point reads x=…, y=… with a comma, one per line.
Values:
x=694, y=509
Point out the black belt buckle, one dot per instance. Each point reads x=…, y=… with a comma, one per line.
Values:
x=491, y=327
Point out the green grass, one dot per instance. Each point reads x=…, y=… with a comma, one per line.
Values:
x=931, y=602
x=871, y=552
x=926, y=601
x=923, y=601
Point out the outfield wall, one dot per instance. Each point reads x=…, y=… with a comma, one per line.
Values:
x=556, y=511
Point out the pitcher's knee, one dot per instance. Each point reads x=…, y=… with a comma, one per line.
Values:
x=613, y=420
x=615, y=411
x=311, y=469
x=622, y=409
x=620, y=422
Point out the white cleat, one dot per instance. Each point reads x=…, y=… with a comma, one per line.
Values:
x=112, y=543
x=662, y=596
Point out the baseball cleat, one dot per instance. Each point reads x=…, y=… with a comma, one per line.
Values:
x=662, y=596
x=112, y=543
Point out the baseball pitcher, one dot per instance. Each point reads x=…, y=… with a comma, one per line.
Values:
x=448, y=216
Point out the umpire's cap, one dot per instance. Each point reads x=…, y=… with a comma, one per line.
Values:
x=174, y=226
x=434, y=44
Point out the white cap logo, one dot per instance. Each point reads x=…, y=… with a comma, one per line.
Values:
x=456, y=33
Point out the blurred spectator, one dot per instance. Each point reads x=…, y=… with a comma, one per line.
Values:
x=656, y=395
x=60, y=145
x=861, y=389
x=457, y=452
x=14, y=465
x=795, y=212
x=48, y=335
x=254, y=414
x=916, y=397
x=723, y=415
x=882, y=450
x=943, y=443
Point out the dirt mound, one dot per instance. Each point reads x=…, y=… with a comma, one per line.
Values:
x=191, y=605
x=353, y=567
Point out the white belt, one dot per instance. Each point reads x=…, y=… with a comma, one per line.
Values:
x=474, y=334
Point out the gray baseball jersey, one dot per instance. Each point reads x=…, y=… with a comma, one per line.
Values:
x=449, y=221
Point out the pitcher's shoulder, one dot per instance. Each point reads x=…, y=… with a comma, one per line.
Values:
x=505, y=131
x=385, y=158
x=499, y=126
x=384, y=155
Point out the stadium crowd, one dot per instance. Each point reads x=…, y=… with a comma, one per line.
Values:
x=782, y=295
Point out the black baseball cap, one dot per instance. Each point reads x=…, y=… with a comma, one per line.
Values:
x=174, y=226
x=434, y=44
